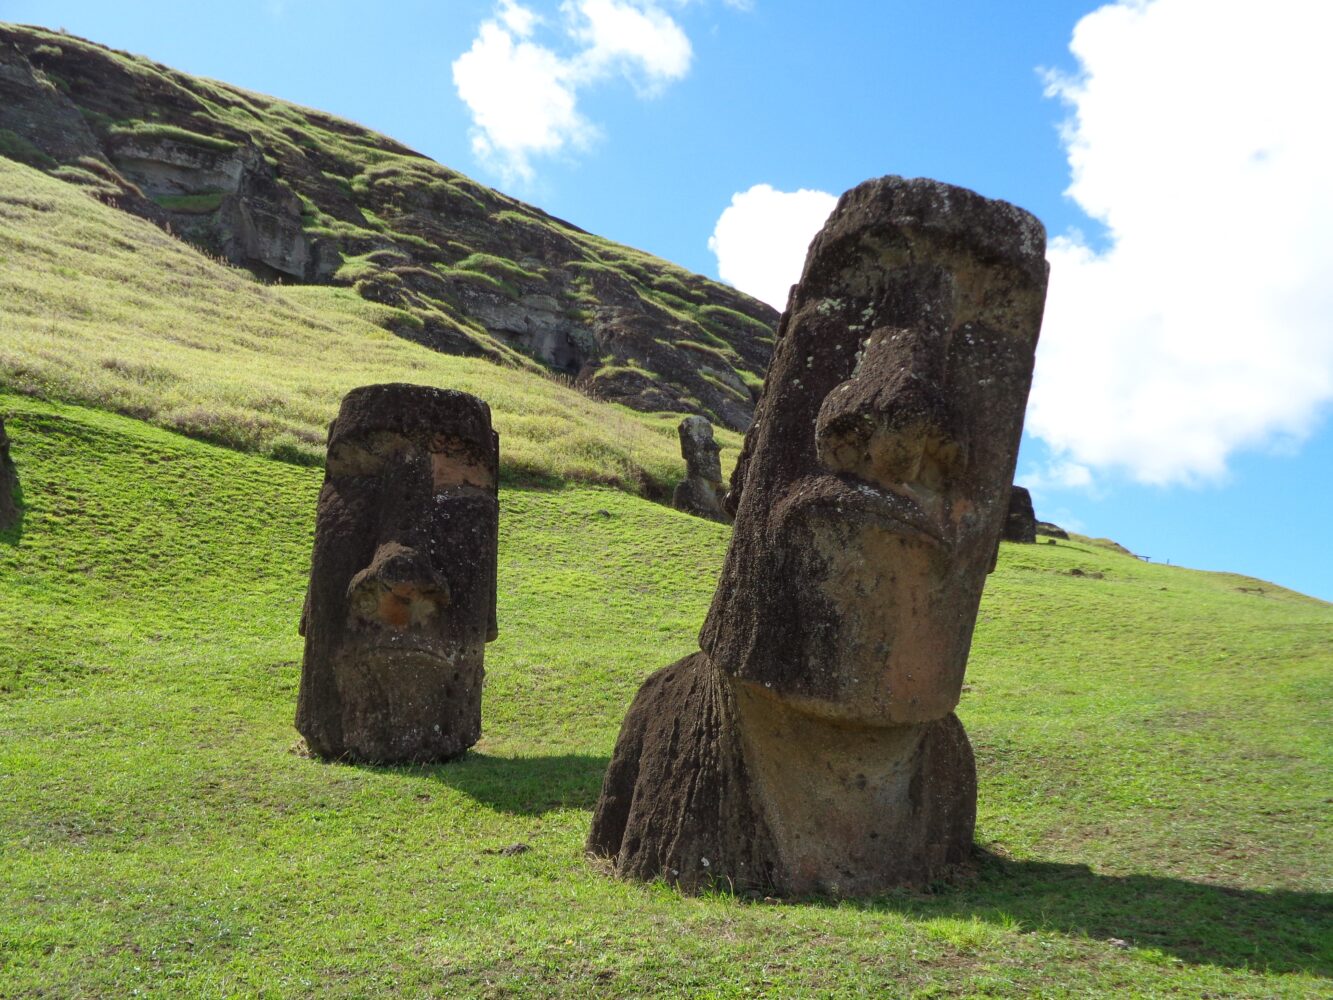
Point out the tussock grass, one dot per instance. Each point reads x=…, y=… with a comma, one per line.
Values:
x=161, y=130
x=1152, y=751
x=95, y=298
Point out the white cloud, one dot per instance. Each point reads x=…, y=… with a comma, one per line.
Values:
x=520, y=20
x=523, y=95
x=521, y=98
x=1200, y=136
x=643, y=43
x=761, y=239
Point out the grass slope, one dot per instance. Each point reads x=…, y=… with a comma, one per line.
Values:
x=466, y=267
x=1152, y=745
x=103, y=308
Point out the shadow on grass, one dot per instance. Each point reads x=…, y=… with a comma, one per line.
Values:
x=526, y=786
x=11, y=506
x=1278, y=931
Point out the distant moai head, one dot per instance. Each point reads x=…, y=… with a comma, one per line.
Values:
x=403, y=577
x=872, y=487
x=1021, y=523
x=699, y=449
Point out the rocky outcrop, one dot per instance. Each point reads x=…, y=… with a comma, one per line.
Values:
x=1049, y=530
x=1021, y=523
x=297, y=195
x=811, y=745
x=701, y=492
x=225, y=198
x=402, y=581
x=9, y=483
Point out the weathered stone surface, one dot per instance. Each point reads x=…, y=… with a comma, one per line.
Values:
x=1049, y=530
x=701, y=492
x=811, y=745
x=9, y=511
x=402, y=581
x=1021, y=523
x=247, y=215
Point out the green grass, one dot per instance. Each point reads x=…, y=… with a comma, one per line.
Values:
x=399, y=197
x=15, y=147
x=160, y=130
x=106, y=309
x=1152, y=746
x=191, y=204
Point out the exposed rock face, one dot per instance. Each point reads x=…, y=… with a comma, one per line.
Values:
x=226, y=198
x=9, y=510
x=1021, y=523
x=1049, y=530
x=811, y=745
x=402, y=580
x=297, y=195
x=701, y=491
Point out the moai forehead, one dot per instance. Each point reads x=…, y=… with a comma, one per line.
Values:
x=873, y=484
x=381, y=424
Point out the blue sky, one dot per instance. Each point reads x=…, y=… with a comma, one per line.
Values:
x=1177, y=150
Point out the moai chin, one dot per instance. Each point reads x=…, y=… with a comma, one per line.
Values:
x=9, y=511
x=811, y=745
x=403, y=577
x=701, y=492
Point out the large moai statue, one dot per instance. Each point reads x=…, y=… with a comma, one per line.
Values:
x=811, y=745
x=701, y=491
x=9, y=481
x=402, y=581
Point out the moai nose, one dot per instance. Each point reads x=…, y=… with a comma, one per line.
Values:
x=891, y=422
x=399, y=589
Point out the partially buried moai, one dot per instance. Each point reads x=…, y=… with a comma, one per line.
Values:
x=811, y=745
x=9, y=510
x=701, y=491
x=401, y=600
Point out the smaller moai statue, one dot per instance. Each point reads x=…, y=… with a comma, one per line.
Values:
x=701, y=491
x=1020, y=525
x=401, y=601
x=9, y=480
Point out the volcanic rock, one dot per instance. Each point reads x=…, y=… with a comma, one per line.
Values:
x=1021, y=523
x=296, y=195
x=402, y=581
x=701, y=492
x=811, y=745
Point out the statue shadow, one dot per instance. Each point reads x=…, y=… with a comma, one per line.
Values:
x=13, y=512
x=519, y=786
x=1273, y=930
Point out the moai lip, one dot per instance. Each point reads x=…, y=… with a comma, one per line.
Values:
x=869, y=499
x=402, y=589
x=701, y=492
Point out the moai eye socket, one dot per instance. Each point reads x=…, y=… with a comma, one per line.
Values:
x=366, y=454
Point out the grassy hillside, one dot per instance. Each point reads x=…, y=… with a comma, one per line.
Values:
x=299, y=195
x=103, y=308
x=1152, y=745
